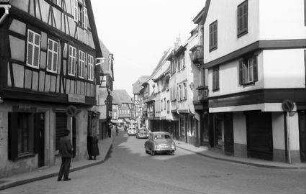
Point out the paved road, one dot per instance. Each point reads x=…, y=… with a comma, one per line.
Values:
x=130, y=170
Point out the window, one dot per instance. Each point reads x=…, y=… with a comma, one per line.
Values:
x=80, y=13
x=33, y=49
x=202, y=78
x=181, y=92
x=21, y=134
x=213, y=36
x=165, y=104
x=81, y=64
x=52, y=59
x=248, y=70
x=215, y=78
x=182, y=61
x=90, y=68
x=185, y=91
x=72, y=60
x=242, y=18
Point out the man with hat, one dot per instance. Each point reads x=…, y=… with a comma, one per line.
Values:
x=66, y=153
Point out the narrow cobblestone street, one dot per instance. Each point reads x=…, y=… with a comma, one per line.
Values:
x=130, y=170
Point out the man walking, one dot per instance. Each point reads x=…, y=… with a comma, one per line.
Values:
x=65, y=151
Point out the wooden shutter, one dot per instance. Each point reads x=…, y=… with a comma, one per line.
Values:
x=85, y=18
x=239, y=19
x=210, y=36
x=255, y=68
x=12, y=136
x=216, y=34
x=217, y=77
x=241, y=78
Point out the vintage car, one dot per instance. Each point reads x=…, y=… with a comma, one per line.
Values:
x=160, y=142
x=132, y=131
x=142, y=133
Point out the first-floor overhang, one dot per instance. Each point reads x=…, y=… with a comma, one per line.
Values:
x=266, y=100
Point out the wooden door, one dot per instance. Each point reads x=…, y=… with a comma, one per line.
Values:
x=228, y=134
x=259, y=135
x=302, y=131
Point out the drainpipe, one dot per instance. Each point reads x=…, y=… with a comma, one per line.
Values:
x=6, y=12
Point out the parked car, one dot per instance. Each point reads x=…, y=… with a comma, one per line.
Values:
x=142, y=134
x=131, y=131
x=160, y=142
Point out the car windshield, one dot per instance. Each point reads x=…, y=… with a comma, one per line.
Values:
x=162, y=136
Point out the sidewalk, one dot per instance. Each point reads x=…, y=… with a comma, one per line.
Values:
x=204, y=151
x=46, y=172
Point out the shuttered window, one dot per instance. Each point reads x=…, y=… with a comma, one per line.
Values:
x=61, y=126
x=90, y=68
x=33, y=49
x=242, y=18
x=215, y=78
x=52, y=59
x=72, y=60
x=248, y=70
x=213, y=36
x=81, y=64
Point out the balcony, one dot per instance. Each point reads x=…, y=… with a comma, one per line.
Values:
x=197, y=55
x=203, y=93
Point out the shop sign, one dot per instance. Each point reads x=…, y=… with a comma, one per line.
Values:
x=76, y=98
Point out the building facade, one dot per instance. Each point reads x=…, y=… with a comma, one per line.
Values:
x=47, y=83
x=256, y=68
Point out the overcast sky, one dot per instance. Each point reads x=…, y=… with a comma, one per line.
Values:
x=137, y=32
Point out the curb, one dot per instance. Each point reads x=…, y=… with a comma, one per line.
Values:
x=243, y=162
x=46, y=176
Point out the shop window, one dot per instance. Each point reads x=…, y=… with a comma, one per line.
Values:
x=21, y=135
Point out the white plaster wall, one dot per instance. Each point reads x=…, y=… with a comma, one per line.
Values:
x=277, y=18
x=225, y=12
x=239, y=128
x=229, y=79
x=278, y=131
x=284, y=68
x=294, y=132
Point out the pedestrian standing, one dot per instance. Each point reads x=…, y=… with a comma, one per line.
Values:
x=66, y=152
x=95, y=147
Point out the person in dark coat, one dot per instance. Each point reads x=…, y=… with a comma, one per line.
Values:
x=89, y=146
x=95, y=147
x=66, y=152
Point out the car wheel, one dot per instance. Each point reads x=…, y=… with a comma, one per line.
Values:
x=152, y=153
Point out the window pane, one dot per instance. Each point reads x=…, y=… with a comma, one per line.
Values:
x=36, y=57
x=30, y=54
x=37, y=39
x=30, y=36
x=49, y=64
x=55, y=62
x=50, y=45
x=55, y=46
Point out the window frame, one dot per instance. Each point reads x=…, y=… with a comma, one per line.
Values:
x=90, y=66
x=72, y=60
x=242, y=18
x=213, y=36
x=34, y=45
x=52, y=54
x=248, y=65
x=81, y=64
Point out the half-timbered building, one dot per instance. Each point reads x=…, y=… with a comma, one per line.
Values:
x=47, y=80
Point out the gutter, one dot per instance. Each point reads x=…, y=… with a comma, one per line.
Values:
x=6, y=12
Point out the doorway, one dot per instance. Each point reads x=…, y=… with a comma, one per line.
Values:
x=228, y=134
x=39, y=127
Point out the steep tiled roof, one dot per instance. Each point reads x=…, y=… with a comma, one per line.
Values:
x=137, y=85
x=121, y=96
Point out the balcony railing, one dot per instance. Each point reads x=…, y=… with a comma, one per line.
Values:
x=197, y=55
x=203, y=93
